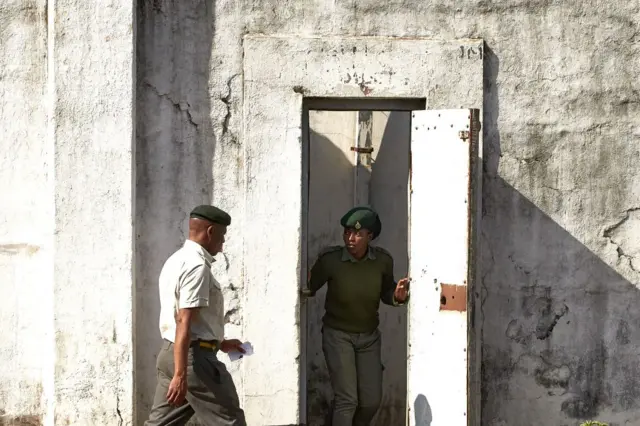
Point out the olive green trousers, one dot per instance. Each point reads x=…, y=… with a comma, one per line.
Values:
x=211, y=394
x=355, y=369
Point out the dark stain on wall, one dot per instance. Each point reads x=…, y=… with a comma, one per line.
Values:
x=622, y=334
x=27, y=420
x=318, y=401
x=570, y=325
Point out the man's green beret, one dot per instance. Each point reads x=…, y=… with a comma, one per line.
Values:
x=212, y=214
x=362, y=217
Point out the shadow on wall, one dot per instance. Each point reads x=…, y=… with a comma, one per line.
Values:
x=174, y=155
x=422, y=411
x=559, y=323
x=388, y=194
x=559, y=326
x=331, y=194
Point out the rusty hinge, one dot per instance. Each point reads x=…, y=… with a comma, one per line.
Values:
x=366, y=150
x=463, y=134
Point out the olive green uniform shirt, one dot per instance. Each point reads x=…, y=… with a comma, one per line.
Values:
x=355, y=288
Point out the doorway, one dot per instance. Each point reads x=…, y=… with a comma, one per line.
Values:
x=357, y=153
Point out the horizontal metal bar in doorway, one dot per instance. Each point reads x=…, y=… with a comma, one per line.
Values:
x=364, y=104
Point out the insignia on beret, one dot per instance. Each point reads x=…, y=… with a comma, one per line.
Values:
x=362, y=217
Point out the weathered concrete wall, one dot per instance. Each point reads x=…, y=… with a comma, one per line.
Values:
x=561, y=131
x=25, y=213
x=561, y=188
x=91, y=88
x=66, y=223
x=188, y=153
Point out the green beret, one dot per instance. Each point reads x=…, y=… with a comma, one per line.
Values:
x=212, y=214
x=362, y=217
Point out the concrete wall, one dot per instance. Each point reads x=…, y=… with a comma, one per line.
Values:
x=66, y=216
x=561, y=131
x=91, y=86
x=25, y=212
x=561, y=190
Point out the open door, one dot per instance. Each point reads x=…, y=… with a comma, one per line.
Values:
x=445, y=188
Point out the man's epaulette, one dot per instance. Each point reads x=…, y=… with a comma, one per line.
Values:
x=383, y=251
x=328, y=250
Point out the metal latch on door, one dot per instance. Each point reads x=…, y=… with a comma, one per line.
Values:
x=362, y=150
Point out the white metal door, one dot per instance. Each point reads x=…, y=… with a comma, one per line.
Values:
x=444, y=199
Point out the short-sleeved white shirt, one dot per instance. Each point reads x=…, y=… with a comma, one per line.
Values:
x=186, y=281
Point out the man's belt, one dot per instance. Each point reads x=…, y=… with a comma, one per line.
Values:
x=212, y=345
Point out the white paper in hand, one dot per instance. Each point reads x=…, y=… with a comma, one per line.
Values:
x=236, y=355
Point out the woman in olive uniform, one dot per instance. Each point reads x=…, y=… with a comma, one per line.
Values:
x=358, y=276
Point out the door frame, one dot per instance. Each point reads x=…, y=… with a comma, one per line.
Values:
x=442, y=72
x=331, y=104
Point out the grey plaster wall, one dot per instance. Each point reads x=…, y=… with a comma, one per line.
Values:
x=561, y=214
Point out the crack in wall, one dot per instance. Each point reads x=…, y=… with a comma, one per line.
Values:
x=226, y=100
x=120, y=420
x=547, y=323
x=483, y=285
x=561, y=190
x=535, y=158
x=609, y=232
x=182, y=106
x=628, y=258
x=227, y=265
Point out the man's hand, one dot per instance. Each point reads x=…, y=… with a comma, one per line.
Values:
x=227, y=346
x=402, y=290
x=177, y=390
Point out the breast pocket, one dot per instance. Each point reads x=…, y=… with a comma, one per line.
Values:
x=216, y=308
x=216, y=300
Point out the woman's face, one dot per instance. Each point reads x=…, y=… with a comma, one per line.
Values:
x=356, y=241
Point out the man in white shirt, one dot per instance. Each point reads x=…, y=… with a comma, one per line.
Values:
x=191, y=380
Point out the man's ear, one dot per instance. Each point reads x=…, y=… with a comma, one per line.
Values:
x=211, y=231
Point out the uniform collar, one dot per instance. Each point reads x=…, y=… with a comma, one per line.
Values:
x=192, y=245
x=346, y=256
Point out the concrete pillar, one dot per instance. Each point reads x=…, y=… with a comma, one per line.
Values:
x=91, y=65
